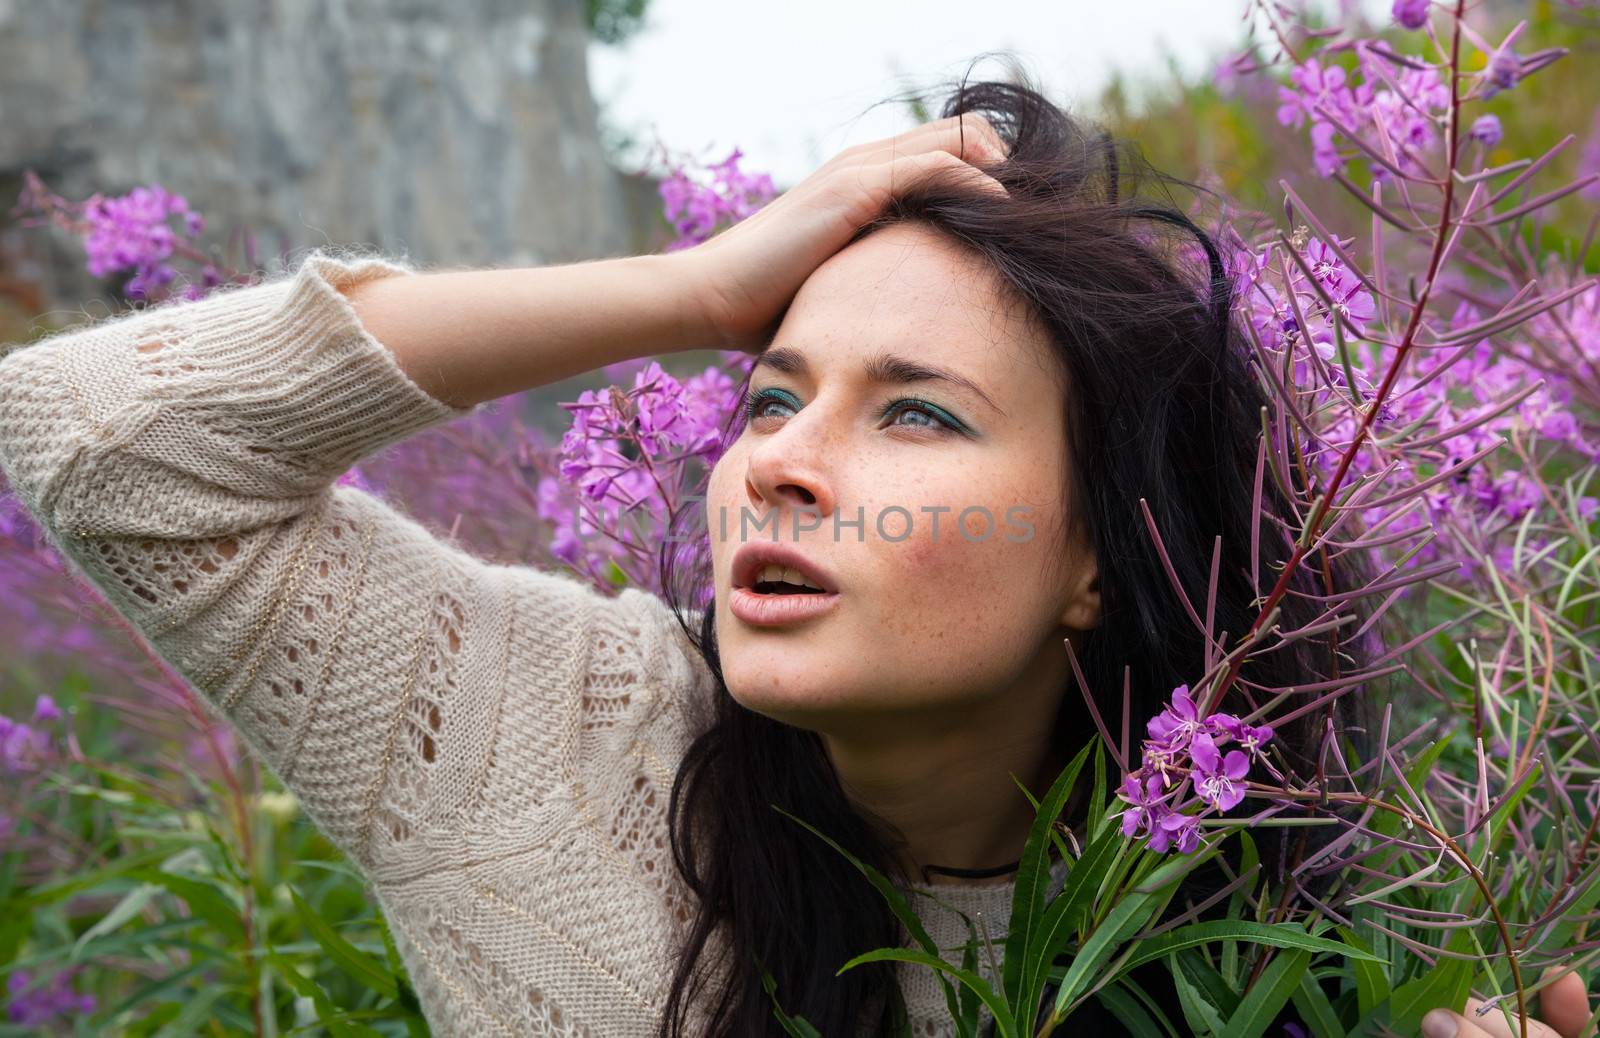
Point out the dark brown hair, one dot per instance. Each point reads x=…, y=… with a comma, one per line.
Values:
x=1162, y=407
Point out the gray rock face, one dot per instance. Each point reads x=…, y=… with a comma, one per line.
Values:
x=454, y=133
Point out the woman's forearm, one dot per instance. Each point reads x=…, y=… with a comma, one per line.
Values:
x=474, y=335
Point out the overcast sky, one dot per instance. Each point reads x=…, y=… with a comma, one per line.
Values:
x=790, y=84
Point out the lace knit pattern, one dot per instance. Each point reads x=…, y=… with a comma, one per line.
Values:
x=492, y=746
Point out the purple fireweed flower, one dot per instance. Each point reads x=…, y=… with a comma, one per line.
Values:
x=45, y=710
x=1219, y=774
x=1183, y=744
x=354, y=477
x=695, y=209
x=1400, y=121
x=23, y=748
x=1249, y=737
x=1411, y=14
x=1147, y=800
x=1324, y=154
x=1486, y=130
x=45, y=1004
x=627, y=462
x=1175, y=829
x=1178, y=721
x=132, y=232
x=1505, y=71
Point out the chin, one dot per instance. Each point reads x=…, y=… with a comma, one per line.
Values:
x=766, y=691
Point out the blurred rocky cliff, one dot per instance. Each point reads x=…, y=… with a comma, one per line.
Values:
x=450, y=133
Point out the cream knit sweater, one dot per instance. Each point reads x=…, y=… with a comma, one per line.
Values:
x=493, y=746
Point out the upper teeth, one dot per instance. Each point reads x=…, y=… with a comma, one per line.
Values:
x=774, y=574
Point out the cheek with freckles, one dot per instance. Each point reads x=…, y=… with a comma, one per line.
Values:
x=949, y=615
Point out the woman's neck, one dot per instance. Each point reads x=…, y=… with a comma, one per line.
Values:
x=950, y=796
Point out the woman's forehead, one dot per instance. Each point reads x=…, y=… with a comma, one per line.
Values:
x=907, y=294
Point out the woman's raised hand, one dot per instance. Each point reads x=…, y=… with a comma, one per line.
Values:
x=1563, y=1007
x=748, y=274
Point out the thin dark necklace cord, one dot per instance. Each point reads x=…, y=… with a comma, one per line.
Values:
x=998, y=870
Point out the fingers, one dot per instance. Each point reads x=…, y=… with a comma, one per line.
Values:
x=1441, y=1023
x=969, y=137
x=908, y=171
x=1496, y=1023
x=1564, y=1004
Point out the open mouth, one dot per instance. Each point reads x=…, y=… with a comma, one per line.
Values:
x=775, y=585
x=775, y=580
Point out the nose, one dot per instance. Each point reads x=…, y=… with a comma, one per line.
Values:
x=787, y=469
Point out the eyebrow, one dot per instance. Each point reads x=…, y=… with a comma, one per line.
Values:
x=884, y=368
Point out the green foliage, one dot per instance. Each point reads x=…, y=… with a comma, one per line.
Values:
x=613, y=21
x=1108, y=919
x=178, y=924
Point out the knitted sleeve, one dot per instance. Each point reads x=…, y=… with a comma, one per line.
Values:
x=185, y=458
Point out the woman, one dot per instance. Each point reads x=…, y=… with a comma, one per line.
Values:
x=560, y=799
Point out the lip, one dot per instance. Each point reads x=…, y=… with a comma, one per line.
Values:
x=753, y=556
x=777, y=610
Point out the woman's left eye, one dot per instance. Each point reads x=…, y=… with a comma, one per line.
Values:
x=933, y=417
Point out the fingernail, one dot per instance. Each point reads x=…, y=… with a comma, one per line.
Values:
x=1439, y=1023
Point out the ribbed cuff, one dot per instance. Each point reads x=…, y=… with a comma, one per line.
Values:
x=288, y=368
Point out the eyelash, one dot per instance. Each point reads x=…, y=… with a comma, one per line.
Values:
x=945, y=422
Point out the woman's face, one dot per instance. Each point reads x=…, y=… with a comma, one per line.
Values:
x=932, y=616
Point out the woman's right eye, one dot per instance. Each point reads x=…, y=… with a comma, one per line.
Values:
x=756, y=406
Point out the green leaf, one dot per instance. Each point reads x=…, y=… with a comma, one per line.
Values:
x=194, y=1014
x=1126, y=919
x=1372, y=984
x=1249, y=862
x=1447, y=984
x=1131, y=910
x=1098, y=802
x=406, y=995
x=131, y=905
x=792, y=1025
x=1033, y=880
x=1004, y=1025
x=1202, y=994
x=1278, y=935
x=967, y=1023
x=896, y=900
x=1135, y=1014
x=357, y=963
x=206, y=900
x=152, y=991
x=615, y=575
x=1268, y=996
x=67, y=886
x=1065, y=914
x=328, y=1014
x=1315, y=1010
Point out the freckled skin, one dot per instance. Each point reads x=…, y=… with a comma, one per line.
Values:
x=942, y=666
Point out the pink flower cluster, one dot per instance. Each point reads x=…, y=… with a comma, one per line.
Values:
x=629, y=459
x=25, y=747
x=1452, y=400
x=46, y=1004
x=1393, y=111
x=1392, y=116
x=1182, y=744
x=132, y=232
x=1286, y=308
x=696, y=209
